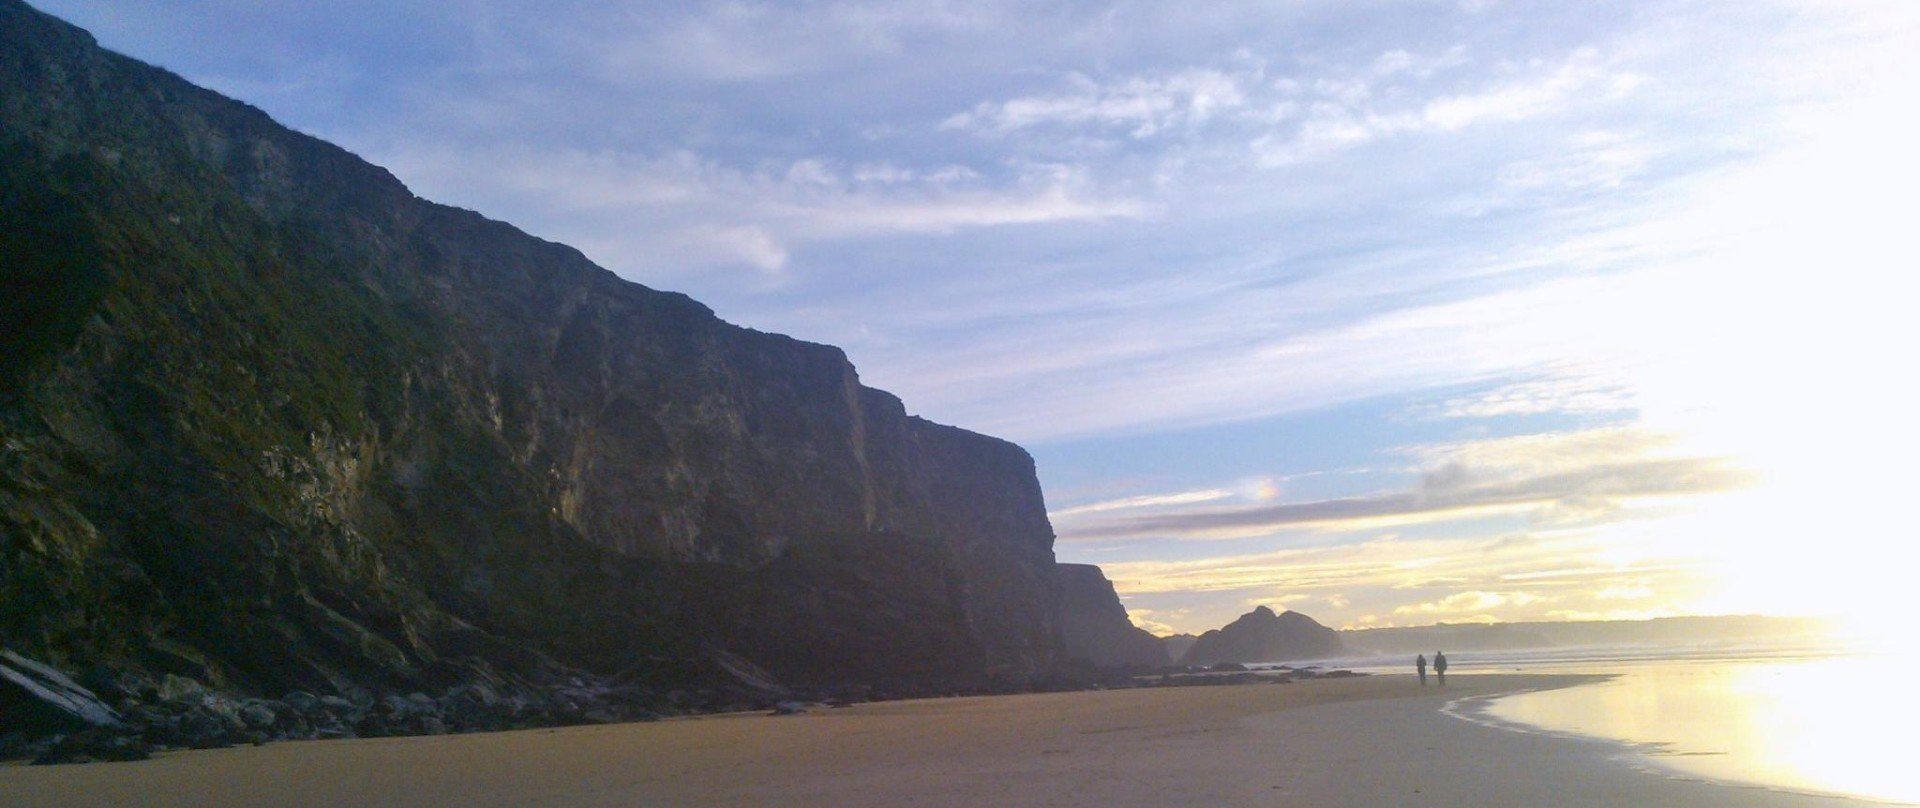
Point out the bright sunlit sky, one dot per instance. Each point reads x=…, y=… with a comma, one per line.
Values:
x=1392, y=313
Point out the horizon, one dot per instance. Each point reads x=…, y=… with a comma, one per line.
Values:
x=1826, y=621
x=1446, y=312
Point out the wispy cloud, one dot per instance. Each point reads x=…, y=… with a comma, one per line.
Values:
x=1345, y=114
x=1142, y=105
x=1148, y=501
x=1557, y=477
x=1566, y=390
x=1399, y=62
x=1471, y=605
x=1444, y=497
x=687, y=211
x=742, y=41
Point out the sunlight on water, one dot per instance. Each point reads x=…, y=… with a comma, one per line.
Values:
x=1839, y=725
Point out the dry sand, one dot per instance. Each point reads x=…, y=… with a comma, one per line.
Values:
x=1374, y=741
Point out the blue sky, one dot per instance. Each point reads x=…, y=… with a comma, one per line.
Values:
x=1390, y=312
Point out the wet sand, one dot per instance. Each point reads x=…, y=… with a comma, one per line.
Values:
x=1373, y=741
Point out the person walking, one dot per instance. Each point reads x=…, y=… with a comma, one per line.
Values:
x=1420, y=664
x=1440, y=666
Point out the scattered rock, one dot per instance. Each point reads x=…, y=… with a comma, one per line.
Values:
x=178, y=688
x=257, y=715
x=97, y=743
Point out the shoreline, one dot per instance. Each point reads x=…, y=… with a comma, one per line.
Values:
x=1644, y=757
x=1729, y=754
x=1362, y=741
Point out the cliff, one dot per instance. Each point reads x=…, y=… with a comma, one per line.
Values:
x=271, y=422
x=1262, y=636
x=1094, y=624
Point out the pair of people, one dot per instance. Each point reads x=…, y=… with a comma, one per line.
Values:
x=1439, y=667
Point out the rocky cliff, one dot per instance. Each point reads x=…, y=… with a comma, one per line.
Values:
x=1262, y=636
x=269, y=421
x=1094, y=624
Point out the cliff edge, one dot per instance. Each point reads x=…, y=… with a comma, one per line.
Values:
x=270, y=422
x=1094, y=624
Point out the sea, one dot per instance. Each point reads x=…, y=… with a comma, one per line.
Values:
x=1814, y=718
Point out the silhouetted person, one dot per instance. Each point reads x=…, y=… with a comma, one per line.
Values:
x=1420, y=664
x=1440, y=666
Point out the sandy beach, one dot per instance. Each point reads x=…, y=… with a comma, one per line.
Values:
x=1373, y=741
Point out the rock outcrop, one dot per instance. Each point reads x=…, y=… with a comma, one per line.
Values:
x=271, y=423
x=35, y=698
x=1262, y=636
x=1095, y=627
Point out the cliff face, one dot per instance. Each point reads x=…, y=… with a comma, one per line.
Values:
x=1262, y=636
x=269, y=420
x=1094, y=624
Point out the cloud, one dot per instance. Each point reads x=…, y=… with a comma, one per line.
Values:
x=1146, y=619
x=1345, y=116
x=1293, y=119
x=1170, y=280
x=1471, y=605
x=1148, y=501
x=1391, y=580
x=752, y=246
x=1543, y=91
x=1625, y=592
x=1143, y=105
x=1611, y=614
x=1561, y=477
x=1374, y=572
x=1592, y=160
x=738, y=41
x=1557, y=391
x=1277, y=571
x=682, y=211
x=1400, y=62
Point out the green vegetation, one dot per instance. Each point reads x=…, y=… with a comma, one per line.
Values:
x=52, y=268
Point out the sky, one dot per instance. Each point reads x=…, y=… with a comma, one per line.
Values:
x=1391, y=313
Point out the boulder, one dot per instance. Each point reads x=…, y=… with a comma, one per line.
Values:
x=179, y=688
x=257, y=715
x=37, y=699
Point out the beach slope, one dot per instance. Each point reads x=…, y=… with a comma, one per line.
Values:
x=1371, y=741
